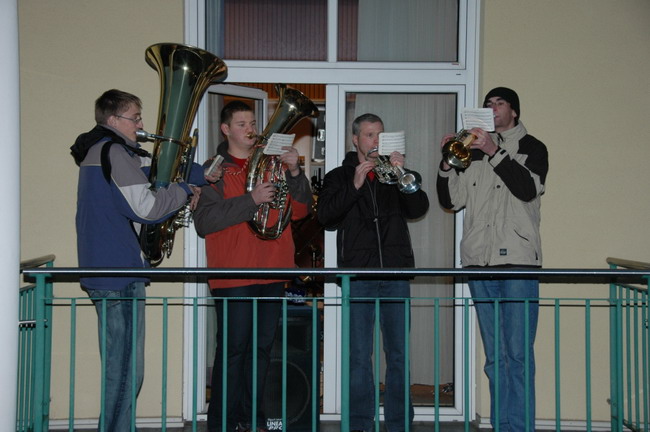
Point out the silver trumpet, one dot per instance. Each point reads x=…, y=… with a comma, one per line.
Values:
x=407, y=182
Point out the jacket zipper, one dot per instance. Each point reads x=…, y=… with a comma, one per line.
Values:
x=375, y=209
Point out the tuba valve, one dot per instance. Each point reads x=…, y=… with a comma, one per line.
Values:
x=293, y=106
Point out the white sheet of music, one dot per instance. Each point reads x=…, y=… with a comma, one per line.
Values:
x=392, y=141
x=478, y=117
x=276, y=142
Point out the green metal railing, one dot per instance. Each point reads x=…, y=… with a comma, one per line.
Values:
x=627, y=305
x=629, y=358
x=34, y=349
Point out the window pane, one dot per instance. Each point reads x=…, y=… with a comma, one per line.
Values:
x=368, y=30
x=268, y=30
x=396, y=31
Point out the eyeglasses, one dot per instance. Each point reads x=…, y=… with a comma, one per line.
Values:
x=134, y=120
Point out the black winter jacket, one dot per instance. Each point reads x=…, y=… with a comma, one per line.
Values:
x=371, y=221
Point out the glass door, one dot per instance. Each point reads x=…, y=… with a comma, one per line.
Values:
x=203, y=315
x=425, y=114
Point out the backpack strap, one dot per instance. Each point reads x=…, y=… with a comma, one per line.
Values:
x=106, y=161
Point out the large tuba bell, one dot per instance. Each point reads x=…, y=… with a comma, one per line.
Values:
x=292, y=107
x=185, y=74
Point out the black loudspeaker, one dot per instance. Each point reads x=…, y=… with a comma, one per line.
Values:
x=300, y=380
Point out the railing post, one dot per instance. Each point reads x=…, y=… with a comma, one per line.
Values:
x=616, y=362
x=345, y=352
x=47, y=360
x=645, y=342
x=41, y=356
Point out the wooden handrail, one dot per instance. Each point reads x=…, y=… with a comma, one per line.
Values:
x=37, y=262
x=636, y=265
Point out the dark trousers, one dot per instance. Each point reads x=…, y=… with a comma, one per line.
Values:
x=239, y=353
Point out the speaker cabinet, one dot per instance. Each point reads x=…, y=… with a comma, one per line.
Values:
x=300, y=380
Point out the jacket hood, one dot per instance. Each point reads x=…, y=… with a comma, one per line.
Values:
x=86, y=140
x=351, y=159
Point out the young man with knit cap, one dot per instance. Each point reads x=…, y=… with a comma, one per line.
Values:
x=500, y=192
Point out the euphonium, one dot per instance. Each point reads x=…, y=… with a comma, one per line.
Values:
x=407, y=181
x=185, y=74
x=456, y=152
x=292, y=107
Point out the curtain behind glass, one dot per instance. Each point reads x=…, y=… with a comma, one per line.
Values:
x=267, y=30
x=408, y=31
x=368, y=30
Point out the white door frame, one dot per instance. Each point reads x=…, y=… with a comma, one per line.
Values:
x=339, y=78
x=335, y=151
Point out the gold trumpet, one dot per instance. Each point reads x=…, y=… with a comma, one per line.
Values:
x=456, y=152
x=407, y=182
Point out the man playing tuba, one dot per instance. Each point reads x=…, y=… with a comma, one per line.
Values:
x=222, y=217
x=114, y=200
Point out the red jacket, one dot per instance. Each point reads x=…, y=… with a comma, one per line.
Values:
x=222, y=216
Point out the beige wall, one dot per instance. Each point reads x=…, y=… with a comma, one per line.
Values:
x=579, y=66
x=581, y=70
x=71, y=52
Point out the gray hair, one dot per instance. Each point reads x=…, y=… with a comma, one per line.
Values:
x=368, y=117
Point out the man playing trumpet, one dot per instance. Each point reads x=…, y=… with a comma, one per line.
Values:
x=500, y=192
x=370, y=217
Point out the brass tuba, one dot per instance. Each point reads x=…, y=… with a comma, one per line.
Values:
x=293, y=106
x=456, y=152
x=185, y=74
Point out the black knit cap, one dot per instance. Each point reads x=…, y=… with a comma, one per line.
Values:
x=507, y=95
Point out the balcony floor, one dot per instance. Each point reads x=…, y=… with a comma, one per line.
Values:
x=335, y=427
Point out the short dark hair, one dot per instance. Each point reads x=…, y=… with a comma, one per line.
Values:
x=368, y=117
x=231, y=108
x=114, y=102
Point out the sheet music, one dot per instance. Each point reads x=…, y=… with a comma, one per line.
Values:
x=478, y=117
x=276, y=142
x=392, y=141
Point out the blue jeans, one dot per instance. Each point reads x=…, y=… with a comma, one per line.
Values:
x=511, y=393
x=393, y=328
x=119, y=399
